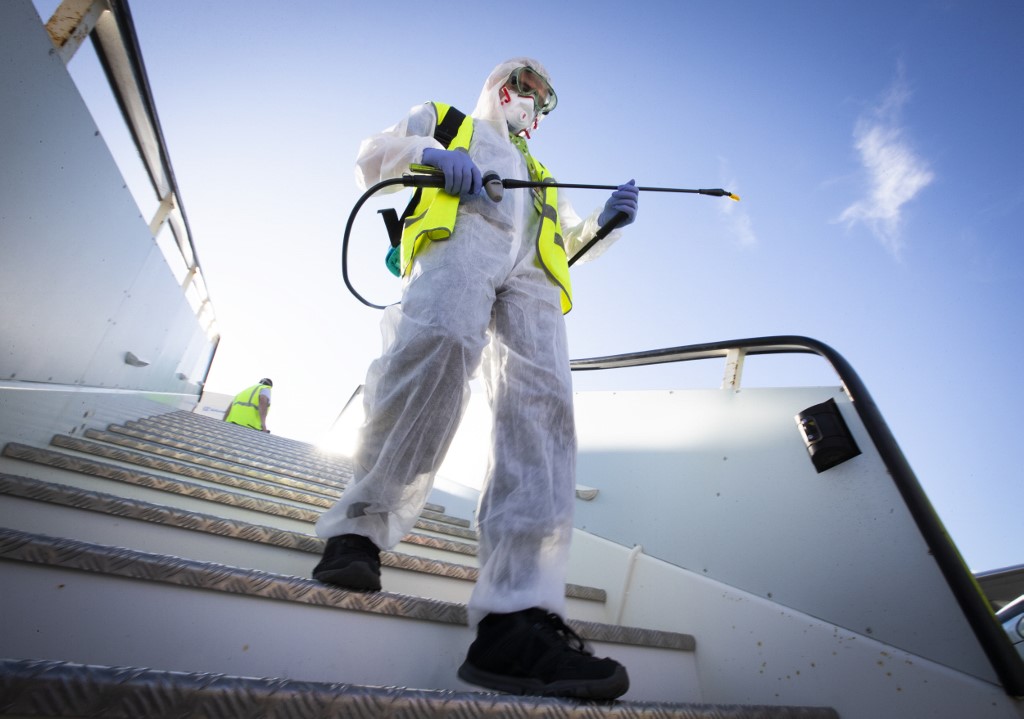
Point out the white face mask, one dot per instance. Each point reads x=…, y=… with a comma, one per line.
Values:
x=519, y=112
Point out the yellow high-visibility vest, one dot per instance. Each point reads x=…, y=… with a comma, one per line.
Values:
x=431, y=214
x=245, y=407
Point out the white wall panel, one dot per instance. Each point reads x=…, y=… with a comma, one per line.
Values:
x=720, y=483
x=82, y=281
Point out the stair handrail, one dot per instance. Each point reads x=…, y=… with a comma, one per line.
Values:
x=1007, y=664
x=109, y=23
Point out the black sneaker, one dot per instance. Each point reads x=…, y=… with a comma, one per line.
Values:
x=350, y=561
x=534, y=652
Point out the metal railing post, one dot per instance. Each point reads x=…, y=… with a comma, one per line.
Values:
x=71, y=23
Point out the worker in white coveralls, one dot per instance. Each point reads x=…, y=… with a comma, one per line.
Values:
x=485, y=283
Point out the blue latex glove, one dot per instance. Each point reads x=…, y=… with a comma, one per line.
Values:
x=461, y=175
x=624, y=199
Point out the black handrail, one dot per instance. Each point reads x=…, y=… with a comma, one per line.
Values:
x=1007, y=664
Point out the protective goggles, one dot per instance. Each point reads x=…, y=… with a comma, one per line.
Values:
x=527, y=82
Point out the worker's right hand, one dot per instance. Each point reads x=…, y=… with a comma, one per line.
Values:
x=624, y=199
x=461, y=175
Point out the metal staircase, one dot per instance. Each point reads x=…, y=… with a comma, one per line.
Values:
x=160, y=568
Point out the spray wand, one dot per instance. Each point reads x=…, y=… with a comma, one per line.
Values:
x=495, y=187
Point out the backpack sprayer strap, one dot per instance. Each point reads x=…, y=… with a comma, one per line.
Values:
x=445, y=131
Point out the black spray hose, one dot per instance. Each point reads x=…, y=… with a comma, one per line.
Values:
x=495, y=188
x=348, y=231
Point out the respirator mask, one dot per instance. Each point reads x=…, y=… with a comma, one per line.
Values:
x=525, y=99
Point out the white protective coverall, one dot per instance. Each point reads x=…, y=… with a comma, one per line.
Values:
x=481, y=289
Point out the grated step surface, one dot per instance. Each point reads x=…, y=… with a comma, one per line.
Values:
x=19, y=546
x=290, y=490
x=260, y=499
x=62, y=689
x=111, y=505
x=189, y=454
x=242, y=437
x=147, y=609
x=301, y=466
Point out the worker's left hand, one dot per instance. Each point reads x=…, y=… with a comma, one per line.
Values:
x=624, y=199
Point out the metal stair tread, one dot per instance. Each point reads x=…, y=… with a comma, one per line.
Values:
x=182, y=469
x=433, y=511
x=284, y=462
x=52, y=688
x=91, y=500
x=87, y=466
x=73, y=554
x=245, y=461
x=173, y=433
x=181, y=450
x=242, y=435
x=142, y=448
x=138, y=449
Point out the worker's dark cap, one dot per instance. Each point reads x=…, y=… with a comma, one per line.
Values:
x=268, y=382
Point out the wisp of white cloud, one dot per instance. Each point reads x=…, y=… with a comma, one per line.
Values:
x=740, y=226
x=895, y=173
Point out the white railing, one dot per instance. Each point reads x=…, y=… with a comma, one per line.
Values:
x=109, y=24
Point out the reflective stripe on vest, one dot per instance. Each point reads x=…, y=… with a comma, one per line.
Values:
x=550, y=245
x=245, y=407
x=433, y=212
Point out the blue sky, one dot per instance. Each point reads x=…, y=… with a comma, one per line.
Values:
x=876, y=147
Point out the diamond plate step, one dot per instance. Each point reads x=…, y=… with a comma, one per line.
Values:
x=258, y=442
x=64, y=689
x=149, y=609
x=219, y=461
x=300, y=552
x=307, y=466
x=188, y=464
x=260, y=498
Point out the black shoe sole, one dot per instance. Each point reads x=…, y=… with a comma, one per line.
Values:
x=358, y=577
x=597, y=689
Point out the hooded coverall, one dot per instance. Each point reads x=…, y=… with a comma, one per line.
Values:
x=477, y=300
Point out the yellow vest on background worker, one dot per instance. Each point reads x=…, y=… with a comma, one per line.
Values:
x=245, y=407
